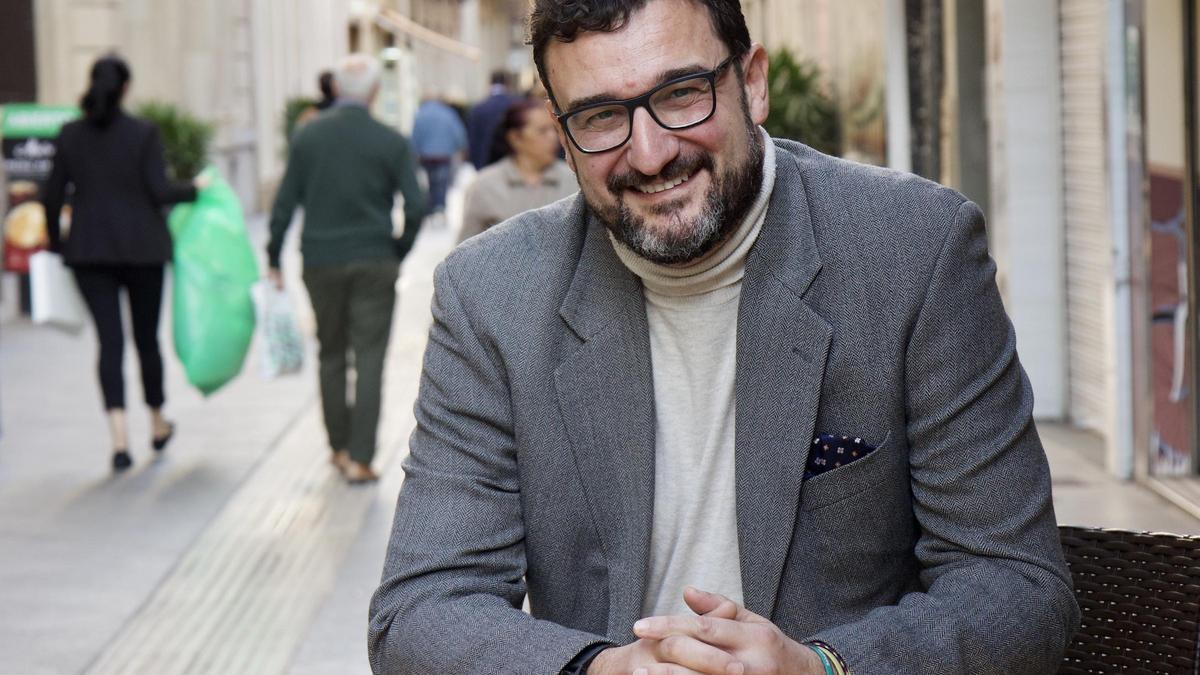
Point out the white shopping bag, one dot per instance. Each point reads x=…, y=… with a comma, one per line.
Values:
x=54, y=295
x=281, y=346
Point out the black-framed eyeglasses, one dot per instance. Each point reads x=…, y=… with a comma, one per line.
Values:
x=681, y=103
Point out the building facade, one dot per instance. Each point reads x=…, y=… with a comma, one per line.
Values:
x=237, y=63
x=1092, y=121
x=1073, y=123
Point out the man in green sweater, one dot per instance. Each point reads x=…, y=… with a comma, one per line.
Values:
x=344, y=168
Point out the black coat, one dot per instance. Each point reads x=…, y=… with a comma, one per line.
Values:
x=481, y=126
x=121, y=188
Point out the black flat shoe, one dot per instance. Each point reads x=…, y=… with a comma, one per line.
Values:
x=160, y=444
x=121, y=461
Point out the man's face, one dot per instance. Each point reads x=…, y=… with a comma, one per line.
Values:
x=718, y=162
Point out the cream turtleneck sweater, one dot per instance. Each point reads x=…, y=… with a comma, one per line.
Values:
x=692, y=314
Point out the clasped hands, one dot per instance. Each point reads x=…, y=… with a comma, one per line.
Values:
x=723, y=638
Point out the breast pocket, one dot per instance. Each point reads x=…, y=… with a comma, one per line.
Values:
x=849, y=480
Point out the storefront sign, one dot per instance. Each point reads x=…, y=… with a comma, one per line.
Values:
x=26, y=142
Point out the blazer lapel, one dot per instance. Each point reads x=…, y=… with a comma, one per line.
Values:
x=606, y=399
x=782, y=348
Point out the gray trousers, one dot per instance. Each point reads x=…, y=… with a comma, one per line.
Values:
x=353, y=304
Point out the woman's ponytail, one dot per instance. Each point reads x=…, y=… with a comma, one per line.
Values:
x=103, y=97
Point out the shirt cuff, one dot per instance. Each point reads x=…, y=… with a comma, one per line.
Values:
x=579, y=664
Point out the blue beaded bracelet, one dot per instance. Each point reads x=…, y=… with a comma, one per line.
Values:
x=824, y=659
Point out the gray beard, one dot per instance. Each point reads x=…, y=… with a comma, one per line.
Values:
x=728, y=200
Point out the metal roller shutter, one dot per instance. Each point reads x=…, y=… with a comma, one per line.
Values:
x=1086, y=207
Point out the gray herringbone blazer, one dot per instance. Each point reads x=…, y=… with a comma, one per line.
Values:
x=869, y=307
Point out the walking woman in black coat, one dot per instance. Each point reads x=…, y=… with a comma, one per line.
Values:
x=118, y=238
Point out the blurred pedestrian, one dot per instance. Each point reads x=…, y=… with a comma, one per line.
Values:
x=328, y=90
x=483, y=118
x=328, y=97
x=344, y=168
x=440, y=141
x=526, y=172
x=118, y=239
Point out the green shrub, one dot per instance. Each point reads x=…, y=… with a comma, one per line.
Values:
x=185, y=138
x=799, y=109
x=291, y=112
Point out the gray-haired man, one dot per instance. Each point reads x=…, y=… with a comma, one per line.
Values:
x=345, y=168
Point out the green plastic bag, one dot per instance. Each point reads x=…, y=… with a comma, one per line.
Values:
x=214, y=268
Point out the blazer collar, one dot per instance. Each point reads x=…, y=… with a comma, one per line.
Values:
x=605, y=390
x=782, y=348
x=603, y=287
x=787, y=246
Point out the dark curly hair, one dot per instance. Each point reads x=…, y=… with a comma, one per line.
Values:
x=514, y=119
x=564, y=20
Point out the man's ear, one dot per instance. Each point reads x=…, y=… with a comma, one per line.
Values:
x=758, y=93
x=562, y=135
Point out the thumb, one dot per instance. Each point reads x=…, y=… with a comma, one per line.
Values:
x=710, y=604
x=718, y=606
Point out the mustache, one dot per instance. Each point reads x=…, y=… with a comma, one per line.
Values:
x=677, y=168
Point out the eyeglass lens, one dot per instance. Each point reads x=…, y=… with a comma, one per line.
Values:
x=677, y=105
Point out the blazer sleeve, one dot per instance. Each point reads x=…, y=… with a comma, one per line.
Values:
x=54, y=194
x=453, y=580
x=981, y=493
x=163, y=191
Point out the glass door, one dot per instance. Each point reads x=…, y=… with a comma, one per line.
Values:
x=1170, y=160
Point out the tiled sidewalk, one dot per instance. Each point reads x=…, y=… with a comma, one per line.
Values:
x=1085, y=494
x=212, y=559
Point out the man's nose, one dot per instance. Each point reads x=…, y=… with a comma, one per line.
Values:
x=651, y=147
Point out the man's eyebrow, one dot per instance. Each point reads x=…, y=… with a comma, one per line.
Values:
x=664, y=76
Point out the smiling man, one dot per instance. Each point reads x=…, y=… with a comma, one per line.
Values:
x=738, y=407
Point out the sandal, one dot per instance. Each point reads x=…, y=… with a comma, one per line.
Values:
x=341, y=461
x=358, y=474
x=121, y=461
x=160, y=443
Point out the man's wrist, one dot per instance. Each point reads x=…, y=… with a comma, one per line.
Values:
x=831, y=661
x=585, y=659
x=595, y=664
x=825, y=664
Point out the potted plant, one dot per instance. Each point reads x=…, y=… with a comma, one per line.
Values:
x=800, y=110
x=186, y=138
x=292, y=110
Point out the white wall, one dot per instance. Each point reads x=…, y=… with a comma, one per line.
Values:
x=1125, y=389
x=231, y=62
x=1165, y=122
x=292, y=43
x=899, y=132
x=1026, y=222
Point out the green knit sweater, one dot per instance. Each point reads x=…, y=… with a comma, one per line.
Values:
x=344, y=168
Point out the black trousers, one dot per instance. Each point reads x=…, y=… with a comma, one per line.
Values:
x=101, y=288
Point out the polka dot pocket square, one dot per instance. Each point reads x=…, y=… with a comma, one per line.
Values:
x=829, y=452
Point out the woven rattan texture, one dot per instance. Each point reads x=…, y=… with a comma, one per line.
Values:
x=1140, y=598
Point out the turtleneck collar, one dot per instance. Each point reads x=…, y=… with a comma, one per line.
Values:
x=724, y=267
